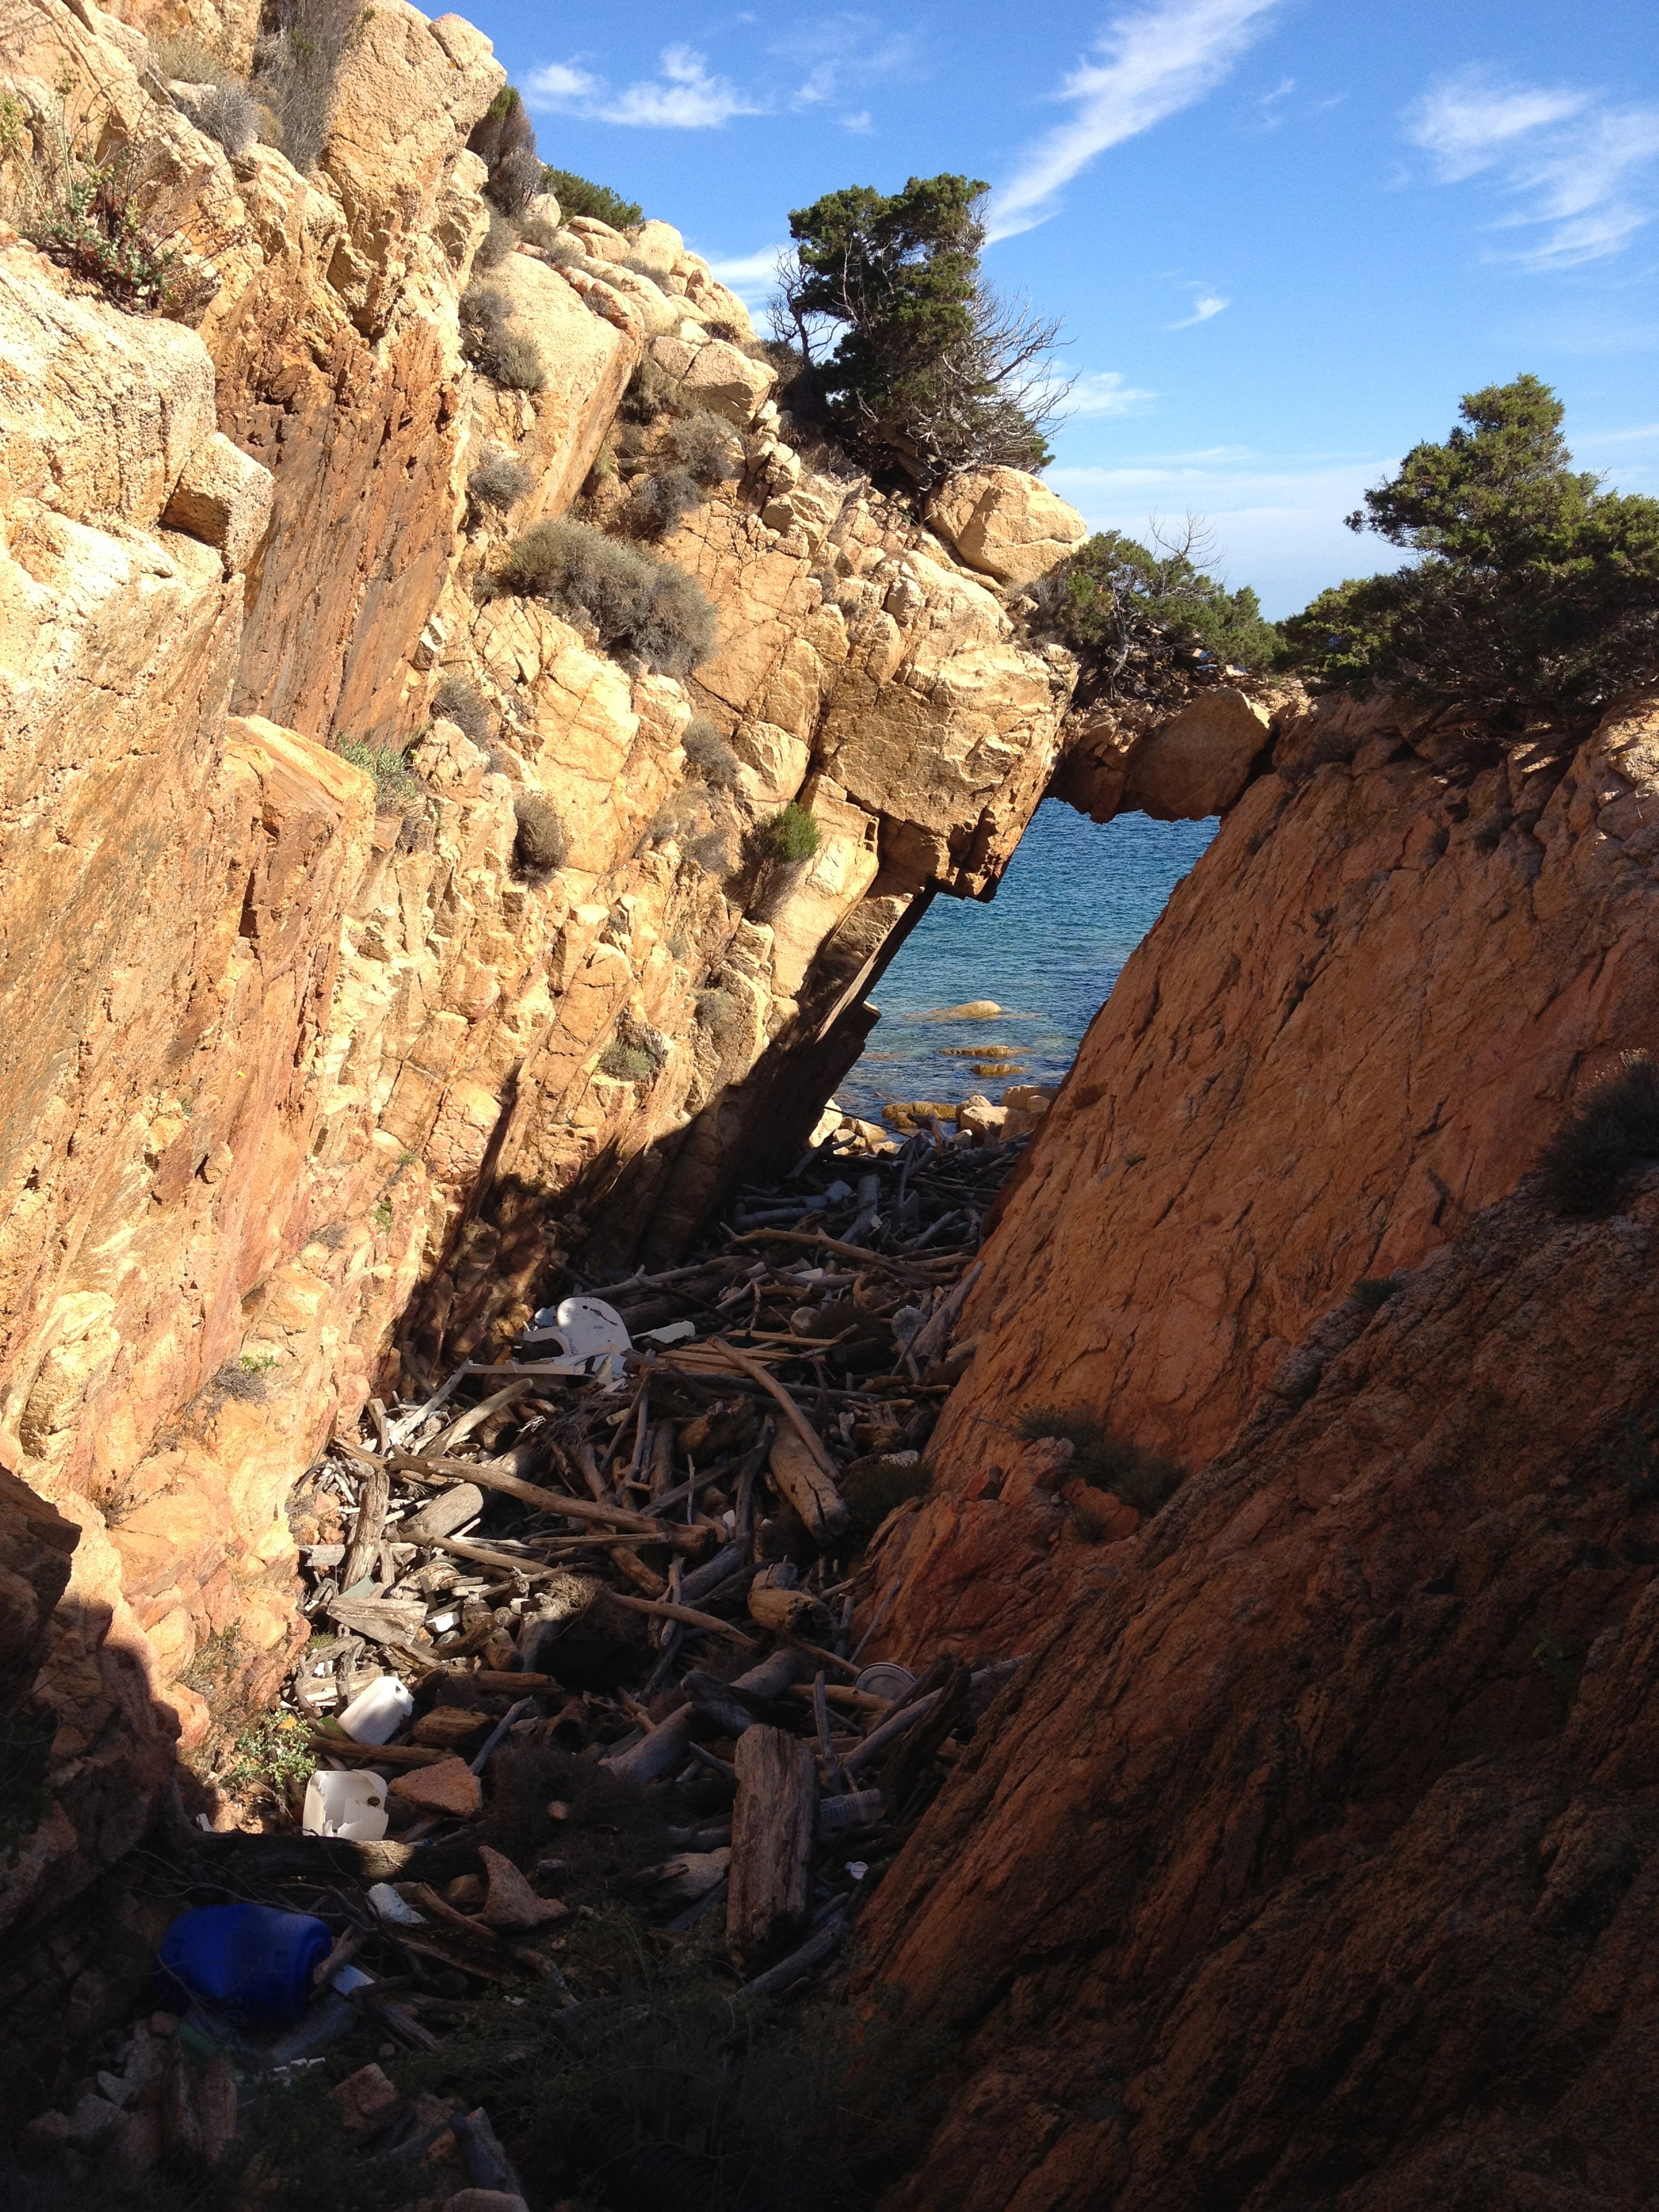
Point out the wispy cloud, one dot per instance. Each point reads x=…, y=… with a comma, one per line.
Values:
x=822, y=61
x=682, y=97
x=1146, y=67
x=1205, y=308
x=1103, y=391
x=1582, y=175
x=752, y=276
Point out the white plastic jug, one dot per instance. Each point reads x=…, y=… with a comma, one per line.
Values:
x=587, y=1331
x=376, y=1714
x=349, y=1805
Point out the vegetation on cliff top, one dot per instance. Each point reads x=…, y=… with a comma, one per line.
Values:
x=1535, y=589
x=1136, y=615
x=931, y=373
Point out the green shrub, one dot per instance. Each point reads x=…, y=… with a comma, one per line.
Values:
x=577, y=196
x=268, y=1752
x=625, y=1063
x=459, y=702
x=791, y=836
x=932, y=374
x=396, y=791
x=638, y=605
x=1127, y=609
x=295, y=66
x=709, y=757
x=542, y=845
x=1614, y=1130
x=1535, y=590
x=504, y=138
x=499, y=480
x=84, y=210
x=1142, y=1479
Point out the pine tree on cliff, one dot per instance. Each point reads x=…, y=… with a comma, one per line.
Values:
x=1535, y=591
x=930, y=373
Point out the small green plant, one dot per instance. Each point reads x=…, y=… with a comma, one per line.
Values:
x=1614, y=1130
x=396, y=790
x=14, y=128
x=1374, y=1291
x=641, y=606
x=792, y=834
x=84, y=212
x=498, y=481
x=578, y=196
x=258, y=1361
x=625, y=1063
x=274, y=1751
x=1144, y=1479
x=381, y=1214
x=542, y=845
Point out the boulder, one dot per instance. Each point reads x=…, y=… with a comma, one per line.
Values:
x=1006, y=524
x=224, y=499
x=1197, y=764
x=717, y=375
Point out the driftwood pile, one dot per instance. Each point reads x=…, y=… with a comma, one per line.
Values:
x=651, y=1571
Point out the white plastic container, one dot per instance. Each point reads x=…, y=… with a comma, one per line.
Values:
x=349, y=1805
x=376, y=1714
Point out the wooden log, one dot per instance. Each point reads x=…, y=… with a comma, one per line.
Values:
x=668, y=1743
x=801, y=1477
x=692, y=1619
x=776, y=1604
x=772, y=1833
x=809, y=1436
x=363, y=1551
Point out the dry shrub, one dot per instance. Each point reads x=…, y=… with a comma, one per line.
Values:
x=226, y=112
x=656, y=502
x=295, y=65
x=651, y=394
x=708, y=756
x=463, y=703
x=499, y=481
x=542, y=845
x=1144, y=1479
x=514, y=180
x=640, y=606
x=706, y=448
x=1614, y=1130
x=497, y=242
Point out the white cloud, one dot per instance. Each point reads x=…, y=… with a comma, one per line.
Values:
x=860, y=122
x=684, y=97
x=1103, y=391
x=1150, y=66
x=838, y=49
x=1582, y=175
x=1205, y=308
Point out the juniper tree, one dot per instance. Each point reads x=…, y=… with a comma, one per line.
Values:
x=1535, y=591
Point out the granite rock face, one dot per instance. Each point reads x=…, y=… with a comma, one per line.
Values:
x=1311, y=1858
x=1352, y=1027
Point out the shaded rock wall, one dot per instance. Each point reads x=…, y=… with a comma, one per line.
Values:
x=1350, y=1030
x=1313, y=1856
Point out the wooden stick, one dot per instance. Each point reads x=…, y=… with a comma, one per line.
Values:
x=662, y=1610
x=809, y=1435
x=361, y=1551
x=861, y=1253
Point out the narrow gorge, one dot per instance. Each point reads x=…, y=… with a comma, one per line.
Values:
x=386, y=950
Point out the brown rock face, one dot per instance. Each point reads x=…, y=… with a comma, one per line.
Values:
x=1313, y=1858
x=1353, y=1026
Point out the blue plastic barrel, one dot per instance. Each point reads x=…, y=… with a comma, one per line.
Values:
x=253, y=1961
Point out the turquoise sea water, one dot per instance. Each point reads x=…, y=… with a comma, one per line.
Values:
x=1077, y=898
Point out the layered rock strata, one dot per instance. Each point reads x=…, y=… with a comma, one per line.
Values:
x=1352, y=1028
x=1312, y=1856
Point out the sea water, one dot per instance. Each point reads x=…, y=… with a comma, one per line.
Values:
x=1076, y=899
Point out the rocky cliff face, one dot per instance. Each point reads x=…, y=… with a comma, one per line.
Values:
x=1351, y=1030
x=1312, y=1857
x=274, y=1057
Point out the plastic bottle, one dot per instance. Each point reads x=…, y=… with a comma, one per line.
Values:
x=375, y=1715
x=255, y=1961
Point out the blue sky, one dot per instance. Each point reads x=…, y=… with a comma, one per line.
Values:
x=1283, y=235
